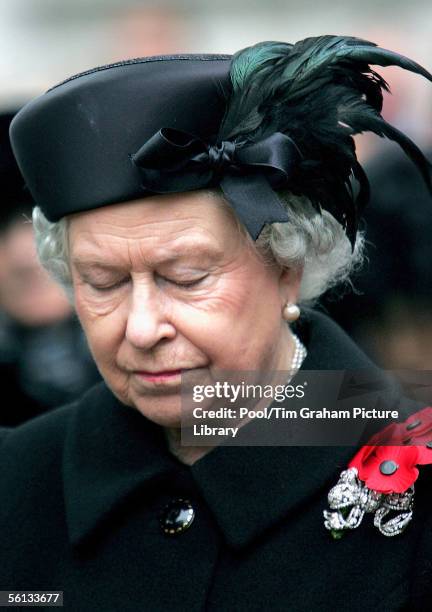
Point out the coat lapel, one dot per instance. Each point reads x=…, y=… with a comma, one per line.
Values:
x=111, y=450
x=250, y=489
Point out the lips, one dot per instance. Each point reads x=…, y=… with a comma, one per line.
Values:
x=165, y=381
x=159, y=372
x=160, y=377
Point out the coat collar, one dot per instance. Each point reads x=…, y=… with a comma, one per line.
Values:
x=252, y=488
x=112, y=451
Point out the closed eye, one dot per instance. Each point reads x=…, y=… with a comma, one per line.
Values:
x=106, y=288
x=183, y=284
x=186, y=284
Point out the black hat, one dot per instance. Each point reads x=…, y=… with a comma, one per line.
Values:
x=16, y=200
x=273, y=116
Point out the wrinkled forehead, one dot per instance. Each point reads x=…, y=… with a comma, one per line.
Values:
x=192, y=224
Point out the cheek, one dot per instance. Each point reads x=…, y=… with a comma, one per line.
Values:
x=198, y=315
x=103, y=325
x=237, y=325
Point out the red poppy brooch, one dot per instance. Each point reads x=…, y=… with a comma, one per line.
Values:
x=380, y=478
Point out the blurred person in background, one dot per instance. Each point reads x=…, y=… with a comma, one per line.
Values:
x=44, y=357
x=141, y=31
x=389, y=312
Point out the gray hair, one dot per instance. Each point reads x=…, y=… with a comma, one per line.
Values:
x=311, y=240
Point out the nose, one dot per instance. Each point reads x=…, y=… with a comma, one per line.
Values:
x=148, y=322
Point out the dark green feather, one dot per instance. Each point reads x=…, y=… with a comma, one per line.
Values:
x=320, y=92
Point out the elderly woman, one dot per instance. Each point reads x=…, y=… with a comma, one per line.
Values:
x=188, y=204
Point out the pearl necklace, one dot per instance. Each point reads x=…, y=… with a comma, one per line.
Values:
x=300, y=353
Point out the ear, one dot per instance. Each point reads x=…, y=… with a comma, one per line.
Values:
x=289, y=283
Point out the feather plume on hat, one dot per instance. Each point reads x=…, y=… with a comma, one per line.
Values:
x=320, y=92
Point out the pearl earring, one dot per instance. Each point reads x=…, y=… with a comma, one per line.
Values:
x=291, y=312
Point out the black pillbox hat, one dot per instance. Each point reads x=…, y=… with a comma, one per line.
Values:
x=74, y=144
x=272, y=116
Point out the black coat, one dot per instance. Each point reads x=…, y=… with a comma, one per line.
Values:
x=82, y=489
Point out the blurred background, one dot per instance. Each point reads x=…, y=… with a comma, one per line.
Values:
x=387, y=309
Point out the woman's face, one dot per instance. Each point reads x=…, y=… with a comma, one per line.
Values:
x=167, y=285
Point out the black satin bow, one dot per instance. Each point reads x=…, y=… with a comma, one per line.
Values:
x=173, y=161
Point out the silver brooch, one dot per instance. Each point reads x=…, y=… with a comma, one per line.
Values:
x=350, y=500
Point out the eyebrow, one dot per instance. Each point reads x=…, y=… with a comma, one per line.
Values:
x=185, y=251
x=83, y=264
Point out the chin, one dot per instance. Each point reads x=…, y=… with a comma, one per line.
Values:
x=162, y=411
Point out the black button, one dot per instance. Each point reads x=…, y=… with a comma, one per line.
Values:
x=177, y=516
x=388, y=467
x=413, y=425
